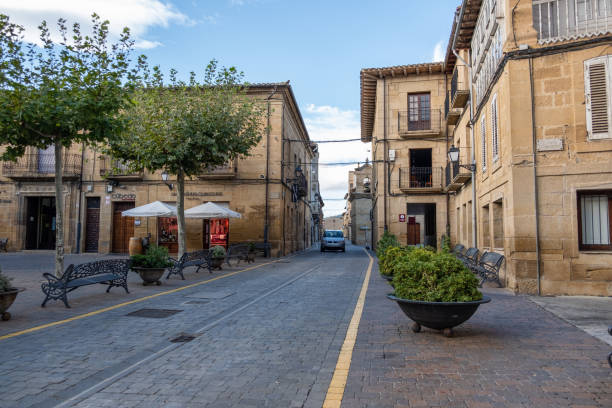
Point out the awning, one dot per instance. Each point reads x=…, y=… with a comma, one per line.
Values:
x=154, y=209
x=211, y=210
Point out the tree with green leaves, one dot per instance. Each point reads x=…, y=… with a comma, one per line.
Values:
x=62, y=92
x=187, y=128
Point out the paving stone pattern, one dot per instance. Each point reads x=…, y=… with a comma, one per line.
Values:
x=280, y=351
x=511, y=353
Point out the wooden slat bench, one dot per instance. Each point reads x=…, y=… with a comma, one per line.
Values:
x=239, y=252
x=111, y=272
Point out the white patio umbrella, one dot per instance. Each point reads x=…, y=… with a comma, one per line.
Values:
x=211, y=210
x=154, y=209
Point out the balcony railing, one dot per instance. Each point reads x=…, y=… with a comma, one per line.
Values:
x=117, y=169
x=419, y=122
x=226, y=171
x=41, y=166
x=421, y=178
x=451, y=115
x=558, y=20
x=456, y=176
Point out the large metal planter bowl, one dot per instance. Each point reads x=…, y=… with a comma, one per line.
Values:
x=6, y=300
x=438, y=315
x=150, y=275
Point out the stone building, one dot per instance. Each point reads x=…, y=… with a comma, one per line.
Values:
x=334, y=222
x=359, y=205
x=528, y=91
x=260, y=187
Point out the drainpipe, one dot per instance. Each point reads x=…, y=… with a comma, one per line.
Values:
x=385, y=152
x=535, y=178
x=472, y=155
x=266, y=226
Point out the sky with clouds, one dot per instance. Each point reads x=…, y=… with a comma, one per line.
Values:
x=319, y=45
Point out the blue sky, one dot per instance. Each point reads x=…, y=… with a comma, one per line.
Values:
x=319, y=46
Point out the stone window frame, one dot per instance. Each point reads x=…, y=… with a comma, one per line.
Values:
x=591, y=247
x=593, y=72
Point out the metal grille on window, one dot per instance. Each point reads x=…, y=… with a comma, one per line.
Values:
x=595, y=220
x=557, y=20
x=494, y=130
x=483, y=137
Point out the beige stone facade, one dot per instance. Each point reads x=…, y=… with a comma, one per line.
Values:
x=359, y=206
x=540, y=135
x=259, y=187
x=335, y=222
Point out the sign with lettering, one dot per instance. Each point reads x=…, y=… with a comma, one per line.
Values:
x=200, y=194
x=402, y=218
x=545, y=145
x=124, y=197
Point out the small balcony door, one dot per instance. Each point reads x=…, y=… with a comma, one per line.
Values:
x=46, y=160
x=419, y=112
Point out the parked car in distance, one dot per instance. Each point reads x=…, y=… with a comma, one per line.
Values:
x=333, y=239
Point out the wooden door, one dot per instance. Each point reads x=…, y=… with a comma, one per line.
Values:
x=419, y=112
x=206, y=234
x=123, y=227
x=414, y=232
x=31, y=223
x=92, y=224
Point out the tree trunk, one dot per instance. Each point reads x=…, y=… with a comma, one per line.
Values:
x=59, y=210
x=180, y=212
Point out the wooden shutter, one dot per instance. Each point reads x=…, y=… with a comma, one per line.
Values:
x=494, y=129
x=483, y=142
x=597, y=79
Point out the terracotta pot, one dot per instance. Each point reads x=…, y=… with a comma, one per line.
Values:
x=150, y=275
x=135, y=246
x=6, y=300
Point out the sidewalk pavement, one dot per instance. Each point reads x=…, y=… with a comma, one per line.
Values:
x=26, y=269
x=511, y=353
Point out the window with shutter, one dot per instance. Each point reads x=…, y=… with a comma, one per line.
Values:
x=494, y=129
x=598, y=91
x=595, y=220
x=483, y=142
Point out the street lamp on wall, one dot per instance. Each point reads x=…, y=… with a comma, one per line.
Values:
x=164, y=177
x=453, y=157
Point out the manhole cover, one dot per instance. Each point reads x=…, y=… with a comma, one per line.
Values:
x=211, y=294
x=183, y=338
x=196, y=302
x=154, y=313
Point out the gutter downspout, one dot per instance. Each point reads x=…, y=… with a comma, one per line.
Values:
x=472, y=154
x=535, y=178
x=385, y=160
x=266, y=226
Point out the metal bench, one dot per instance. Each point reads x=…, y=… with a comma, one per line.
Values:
x=610, y=355
x=470, y=258
x=240, y=252
x=200, y=258
x=4, y=244
x=458, y=251
x=111, y=272
x=488, y=267
x=263, y=248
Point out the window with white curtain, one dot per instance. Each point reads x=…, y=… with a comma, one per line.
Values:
x=594, y=219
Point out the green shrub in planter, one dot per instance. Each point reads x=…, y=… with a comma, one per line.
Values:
x=385, y=242
x=434, y=277
x=5, y=283
x=155, y=257
x=217, y=252
x=391, y=258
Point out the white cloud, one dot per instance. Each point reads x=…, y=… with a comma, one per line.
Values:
x=138, y=15
x=332, y=123
x=438, y=53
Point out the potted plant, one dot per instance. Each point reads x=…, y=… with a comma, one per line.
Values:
x=217, y=257
x=8, y=294
x=251, y=253
x=151, y=265
x=390, y=259
x=435, y=290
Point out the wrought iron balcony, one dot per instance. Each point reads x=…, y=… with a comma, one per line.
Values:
x=456, y=176
x=460, y=93
x=114, y=169
x=452, y=115
x=421, y=179
x=419, y=122
x=39, y=166
x=228, y=170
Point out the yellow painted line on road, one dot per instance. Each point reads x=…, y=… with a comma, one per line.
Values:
x=131, y=302
x=335, y=392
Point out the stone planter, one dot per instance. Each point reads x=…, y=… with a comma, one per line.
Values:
x=6, y=300
x=250, y=257
x=150, y=275
x=438, y=315
x=215, y=263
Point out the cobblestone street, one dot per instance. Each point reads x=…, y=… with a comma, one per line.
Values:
x=270, y=335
